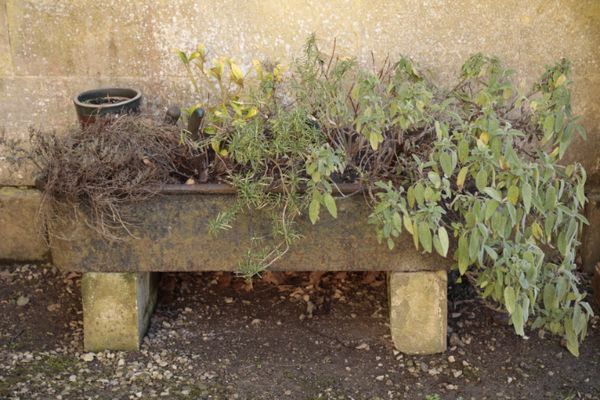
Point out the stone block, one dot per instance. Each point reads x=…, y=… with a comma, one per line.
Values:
x=596, y=286
x=5, y=56
x=83, y=38
x=590, y=241
x=418, y=311
x=22, y=235
x=116, y=309
x=171, y=234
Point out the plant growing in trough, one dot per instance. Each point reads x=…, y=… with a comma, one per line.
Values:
x=472, y=173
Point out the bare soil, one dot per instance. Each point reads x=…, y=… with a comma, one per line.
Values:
x=296, y=336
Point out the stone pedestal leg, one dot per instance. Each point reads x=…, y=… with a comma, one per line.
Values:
x=418, y=311
x=116, y=309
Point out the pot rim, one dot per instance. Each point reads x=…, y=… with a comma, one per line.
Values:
x=78, y=103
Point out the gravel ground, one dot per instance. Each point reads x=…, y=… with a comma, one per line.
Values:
x=296, y=336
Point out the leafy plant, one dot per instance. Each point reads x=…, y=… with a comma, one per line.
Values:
x=472, y=173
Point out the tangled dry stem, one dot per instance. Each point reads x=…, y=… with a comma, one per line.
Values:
x=107, y=167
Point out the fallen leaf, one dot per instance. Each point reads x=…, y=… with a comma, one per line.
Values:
x=273, y=277
x=341, y=276
x=315, y=277
x=370, y=277
x=224, y=280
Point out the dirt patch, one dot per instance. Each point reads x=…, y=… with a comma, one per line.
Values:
x=296, y=336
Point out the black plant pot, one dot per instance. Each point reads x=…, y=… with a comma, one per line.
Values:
x=92, y=104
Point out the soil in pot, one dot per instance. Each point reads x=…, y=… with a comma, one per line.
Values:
x=95, y=103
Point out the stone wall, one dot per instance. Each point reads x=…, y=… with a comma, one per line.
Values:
x=51, y=49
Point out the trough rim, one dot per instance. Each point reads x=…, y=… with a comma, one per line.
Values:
x=224, y=188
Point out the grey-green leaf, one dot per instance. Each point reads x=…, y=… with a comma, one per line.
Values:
x=330, y=204
x=313, y=210
x=509, y=299
x=517, y=320
x=444, y=241
x=526, y=193
x=425, y=236
x=481, y=180
x=446, y=163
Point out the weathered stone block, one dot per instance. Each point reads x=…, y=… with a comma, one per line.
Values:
x=418, y=311
x=590, y=242
x=62, y=38
x=116, y=309
x=171, y=234
x=5, y=56
x=22, y=236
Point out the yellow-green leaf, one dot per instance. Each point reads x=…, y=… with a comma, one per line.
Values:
x=330, y=204
x=526, y=193
x=313, y=210
x=484, y=137
x=462, y=176
x=446, y=163
x=217, y=70
x=236, y=73
x=548, y=126
x=251, y=112
x=503, y=163
x=419, y=193
x=481, y=180
x=463, y=150
x=397, y=221
x=374, y=139
x=509, y=299
x=513, y=194
x=408, y=225
x=425, y=236
x=517, y=320
x=463, y=254
x=182, y=57
x=537, y=230
x=416, y=238
x=490, y=208
x=571, y=336
x=410, y=196
x=444, y=241
x=560, y=80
